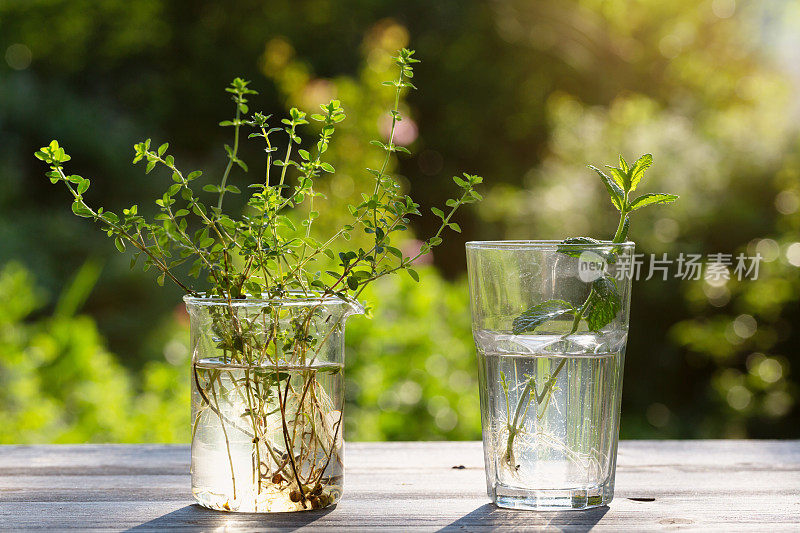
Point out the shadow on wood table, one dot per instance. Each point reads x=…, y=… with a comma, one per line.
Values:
x=490, y=516
x=199, y=518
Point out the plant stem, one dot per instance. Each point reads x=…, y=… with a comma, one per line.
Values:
x=225, y=433
x=513, y=427
x=231, y=158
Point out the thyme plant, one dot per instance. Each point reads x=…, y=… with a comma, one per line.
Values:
x=279, y=257
x=265, y=254
x=603, y=302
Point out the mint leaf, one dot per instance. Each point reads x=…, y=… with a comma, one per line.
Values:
x=651, y=199
x=620, y=177
x=575, y=251
x=603, y=304
x=622, y=163
x=615, y=192
x=636, y=173
x=539, y=314
x=568, y=247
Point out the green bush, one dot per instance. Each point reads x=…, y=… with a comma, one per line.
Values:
x=59, y=383
x=410, y=370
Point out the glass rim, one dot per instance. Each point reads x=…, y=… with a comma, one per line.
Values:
x=204, y=300
x=544, y=244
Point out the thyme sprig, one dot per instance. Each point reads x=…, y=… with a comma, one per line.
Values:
x=277, y=256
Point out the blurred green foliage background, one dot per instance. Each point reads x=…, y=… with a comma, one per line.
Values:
x=523, y=92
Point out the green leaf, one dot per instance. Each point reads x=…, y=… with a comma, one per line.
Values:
x=651, y=199
x=162, y=149
x=110, y=217
x=327, y=167
x=83, y=186
x=637, y=172
x=438, y=212
x=603, y=304
x=211, y=188
x=233, y=189
x=616, y=193
x=395, y=251
x=120, y=244
x=539, y=314
x=573, y=248
x=575, y=251
x=352, y=282
x=80, y=209
x=413, y=274
x=620, y=178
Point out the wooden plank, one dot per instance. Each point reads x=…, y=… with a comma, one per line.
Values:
x=661, y=485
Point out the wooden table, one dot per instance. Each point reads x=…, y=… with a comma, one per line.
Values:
x=661, y=485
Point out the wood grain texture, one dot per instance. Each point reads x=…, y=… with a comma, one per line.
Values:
x=661, y=485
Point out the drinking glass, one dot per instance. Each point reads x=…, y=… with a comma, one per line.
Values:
x=550, y=381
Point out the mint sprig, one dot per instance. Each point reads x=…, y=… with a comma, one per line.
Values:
x=603, y=303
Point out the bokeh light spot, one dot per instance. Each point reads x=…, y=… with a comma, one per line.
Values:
x=277, y=54
x=768, y=249
x=770, y=370
x=745, y=326
x=739, y=397
x=410, y=392
x=793, y=254
x=18, y=56
x=667, y=229
x=658, y=414
x=718, y=296
x=787, y=202
x=405, y=131
x=777, y=403
x=318, y=92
